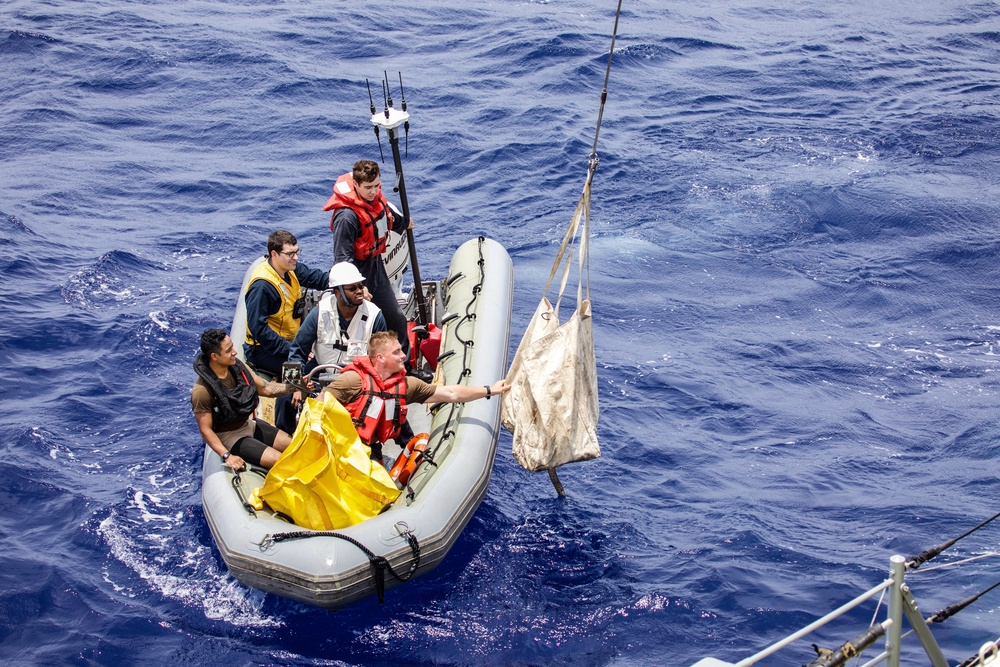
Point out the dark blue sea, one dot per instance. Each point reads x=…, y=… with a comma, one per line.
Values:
x=794, y=277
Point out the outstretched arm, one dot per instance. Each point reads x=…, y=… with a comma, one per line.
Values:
x=271, y=388
x=312, y=278
x=460, y=393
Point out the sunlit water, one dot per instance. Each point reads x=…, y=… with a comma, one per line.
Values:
x=794, y=276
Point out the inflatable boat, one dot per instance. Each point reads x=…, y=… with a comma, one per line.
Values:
x=331, y=569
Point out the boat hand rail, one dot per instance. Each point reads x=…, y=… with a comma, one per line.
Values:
x=322, y=367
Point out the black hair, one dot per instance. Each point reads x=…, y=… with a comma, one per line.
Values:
x=211, y=342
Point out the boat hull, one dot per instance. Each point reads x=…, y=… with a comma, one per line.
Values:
x=332, y=572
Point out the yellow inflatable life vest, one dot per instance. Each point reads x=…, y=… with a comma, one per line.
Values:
x=282, y=321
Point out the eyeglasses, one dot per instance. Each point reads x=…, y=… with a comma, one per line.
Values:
x=293, y=253
x=354, y=288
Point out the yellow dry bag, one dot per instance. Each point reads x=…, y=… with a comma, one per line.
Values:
x=325, y=479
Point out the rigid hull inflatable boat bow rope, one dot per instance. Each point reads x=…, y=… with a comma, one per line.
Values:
x=552, y=407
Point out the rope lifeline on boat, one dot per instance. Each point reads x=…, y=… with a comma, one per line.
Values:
x=467, y=345
x=379, y=564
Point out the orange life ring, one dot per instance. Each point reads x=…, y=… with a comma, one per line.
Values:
x=408, y=459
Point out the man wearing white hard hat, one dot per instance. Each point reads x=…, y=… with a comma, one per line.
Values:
x=339, y=328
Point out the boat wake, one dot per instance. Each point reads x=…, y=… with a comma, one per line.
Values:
x=156, y=539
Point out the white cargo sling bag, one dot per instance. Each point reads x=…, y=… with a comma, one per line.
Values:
x=552, y=407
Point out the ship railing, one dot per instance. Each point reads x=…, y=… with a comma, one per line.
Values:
x=900, y=603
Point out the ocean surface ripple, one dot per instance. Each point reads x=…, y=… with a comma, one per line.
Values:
x=795, y=289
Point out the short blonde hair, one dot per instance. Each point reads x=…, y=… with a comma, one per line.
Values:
x=379, y=341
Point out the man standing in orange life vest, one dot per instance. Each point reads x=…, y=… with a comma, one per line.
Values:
x=376, y=390
x=360, y=224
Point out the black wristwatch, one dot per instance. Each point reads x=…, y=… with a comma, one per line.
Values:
x=226, y=456
x=488, y=392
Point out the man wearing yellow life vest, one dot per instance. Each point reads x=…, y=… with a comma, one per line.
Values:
x=360, y=224
x=274, y=303
x=376, y=390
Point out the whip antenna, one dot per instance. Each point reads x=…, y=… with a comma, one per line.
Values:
x=406, y=125
x=378, y=139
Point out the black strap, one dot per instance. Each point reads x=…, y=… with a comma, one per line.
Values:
x=379, y=564
x=238, y=486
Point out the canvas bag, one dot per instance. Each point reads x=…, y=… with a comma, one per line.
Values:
x=552, y=408
x=325, y=479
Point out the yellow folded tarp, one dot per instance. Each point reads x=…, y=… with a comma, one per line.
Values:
x=325, y=479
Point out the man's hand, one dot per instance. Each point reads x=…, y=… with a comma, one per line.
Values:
x=500, y=387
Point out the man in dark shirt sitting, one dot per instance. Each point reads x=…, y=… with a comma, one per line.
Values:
x=274, y=303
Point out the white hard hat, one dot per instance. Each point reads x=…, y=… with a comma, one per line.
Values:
x=345, y=273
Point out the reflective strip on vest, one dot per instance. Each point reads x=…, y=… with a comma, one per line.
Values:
x=378, y=404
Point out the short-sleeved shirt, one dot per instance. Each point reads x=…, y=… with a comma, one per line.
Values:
x=347, y=387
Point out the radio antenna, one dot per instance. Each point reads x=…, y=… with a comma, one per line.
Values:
x=406, y=125
x=378, y=139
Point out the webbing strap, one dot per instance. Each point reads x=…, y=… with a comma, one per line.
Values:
x=583, y=206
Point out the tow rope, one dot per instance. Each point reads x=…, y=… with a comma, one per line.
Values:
x=379, y=564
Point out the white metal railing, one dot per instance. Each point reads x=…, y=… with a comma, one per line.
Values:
x=900, y=603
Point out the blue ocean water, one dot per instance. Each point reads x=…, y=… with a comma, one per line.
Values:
x=795, y=292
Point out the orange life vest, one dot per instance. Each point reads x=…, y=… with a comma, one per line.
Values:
x=380, y=409
x=375, y=218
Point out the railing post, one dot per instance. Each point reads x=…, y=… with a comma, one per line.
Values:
x=912, y=611
x=893, y=636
